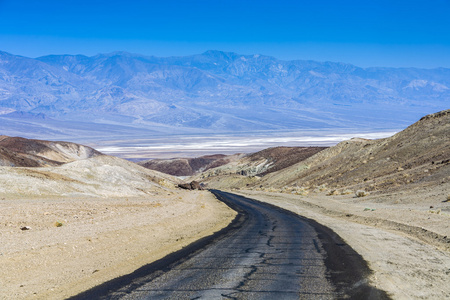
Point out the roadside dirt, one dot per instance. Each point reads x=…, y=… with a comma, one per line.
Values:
x=69, y=245
x=406, y=245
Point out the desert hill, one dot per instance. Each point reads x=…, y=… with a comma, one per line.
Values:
x=250, y=167
x=418, y=154
x=41, y=168
x=66, y=209
x=259, y=163
x=278, y=158
x=188, y=166
x=99, y=176
x=22, y=152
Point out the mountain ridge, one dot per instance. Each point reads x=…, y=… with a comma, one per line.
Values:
x=216, y=91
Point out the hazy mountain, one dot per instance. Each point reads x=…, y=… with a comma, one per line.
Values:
x=213, y=91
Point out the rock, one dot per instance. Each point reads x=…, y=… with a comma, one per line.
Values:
x=194, y=185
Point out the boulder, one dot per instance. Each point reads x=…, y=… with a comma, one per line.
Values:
x=194, y=185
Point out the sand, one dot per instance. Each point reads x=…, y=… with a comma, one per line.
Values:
x=405, y=242
x=73, y=244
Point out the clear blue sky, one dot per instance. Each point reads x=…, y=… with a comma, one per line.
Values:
x=364, y=32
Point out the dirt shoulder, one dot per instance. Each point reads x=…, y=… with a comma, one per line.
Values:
x=405, y=242
x=73, y=244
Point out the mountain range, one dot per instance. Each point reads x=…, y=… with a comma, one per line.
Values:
x=122, y=95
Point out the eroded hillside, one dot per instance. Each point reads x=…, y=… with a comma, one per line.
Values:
x=22, y=152
x=41, y=168
x=249, y=168
x=417, y=155
x=189, y=166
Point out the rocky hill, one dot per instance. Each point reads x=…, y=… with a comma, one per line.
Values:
x=188, y=166
x=99, y=176
x=251, y=167
x=21, y=152
x=38, y=168
x=416, y=156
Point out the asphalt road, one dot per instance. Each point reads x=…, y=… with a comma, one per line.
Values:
x=267, y=253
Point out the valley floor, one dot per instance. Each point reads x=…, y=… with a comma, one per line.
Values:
x=73, y=244
x=405, y=242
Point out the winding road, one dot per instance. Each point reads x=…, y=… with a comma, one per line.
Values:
x=266, y=253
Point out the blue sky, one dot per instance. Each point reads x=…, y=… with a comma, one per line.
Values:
x=365, y=33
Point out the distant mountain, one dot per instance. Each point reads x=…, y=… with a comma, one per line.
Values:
x=122, y=93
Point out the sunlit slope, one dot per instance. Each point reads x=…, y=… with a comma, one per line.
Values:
x=249, y=168
x=38, y=168
x=419, y=154
x=21, y=152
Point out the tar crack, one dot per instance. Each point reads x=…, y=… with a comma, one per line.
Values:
x=316, y=245
x=269, y=241
x=247, y=276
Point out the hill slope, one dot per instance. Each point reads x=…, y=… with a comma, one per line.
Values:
x=418, y=155
x=38, y=168
x=188, y=166
x=250, y=167
x=21, y=152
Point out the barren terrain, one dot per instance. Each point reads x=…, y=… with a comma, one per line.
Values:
x=67, y=228
x=73, y=244
x=21, y=152
x=388, y=198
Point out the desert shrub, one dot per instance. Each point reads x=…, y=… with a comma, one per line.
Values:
x=361, y=193
x=346, y=192
x=332, y=193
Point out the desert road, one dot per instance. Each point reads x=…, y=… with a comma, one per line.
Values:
x=266, y=253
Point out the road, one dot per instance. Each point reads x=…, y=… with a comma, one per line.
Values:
x=267, y=253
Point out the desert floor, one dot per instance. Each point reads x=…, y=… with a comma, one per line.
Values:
x=404, y=237
x=73, y=244
x=405, y=242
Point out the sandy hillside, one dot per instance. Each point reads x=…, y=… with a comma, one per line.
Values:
x=189, y=166
x=250, y=167
x=414, y=158
x=64, y=229
x=418, y=155
x=21, y=152
x=99, y=176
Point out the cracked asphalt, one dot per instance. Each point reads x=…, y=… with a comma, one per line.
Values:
x=267, y=253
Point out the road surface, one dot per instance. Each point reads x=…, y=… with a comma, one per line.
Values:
x=267, y=253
